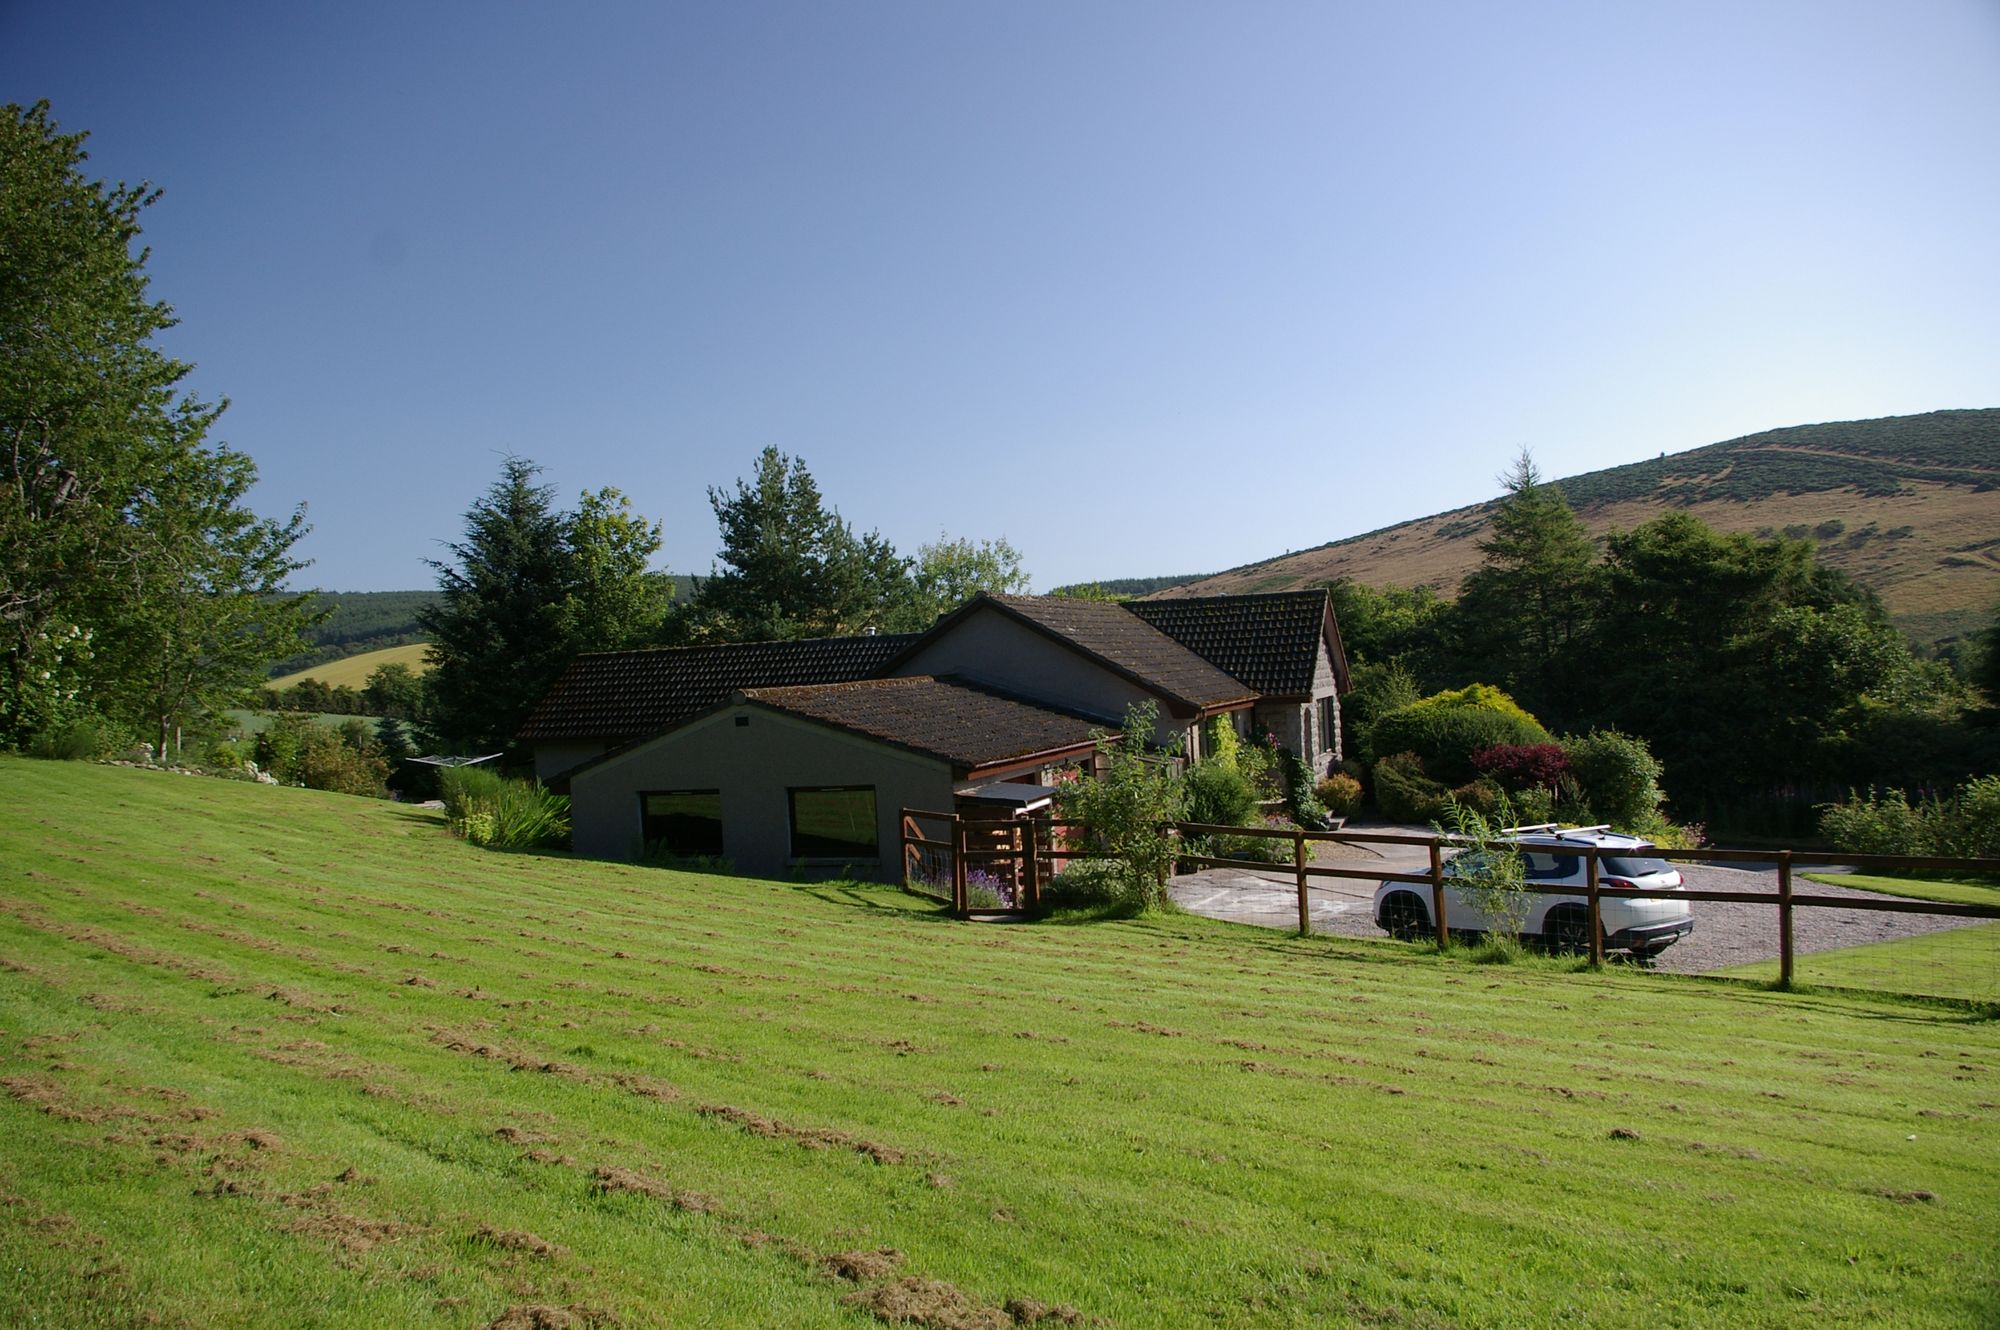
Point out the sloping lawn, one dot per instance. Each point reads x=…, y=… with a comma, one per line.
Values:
x=279, y=1058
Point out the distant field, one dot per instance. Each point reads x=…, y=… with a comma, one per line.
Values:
x=353, y=671
x=271, y=1057
x=256, y=722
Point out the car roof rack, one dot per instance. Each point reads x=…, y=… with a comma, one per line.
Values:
x=1536, y=826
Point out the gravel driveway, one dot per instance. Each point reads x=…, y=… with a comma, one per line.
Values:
x=1725, y=933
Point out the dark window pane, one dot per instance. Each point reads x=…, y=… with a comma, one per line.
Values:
x=1630, y=865
x=686, y=823
x=833, y=824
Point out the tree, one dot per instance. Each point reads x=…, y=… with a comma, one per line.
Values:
x=497, y=639
x=1740, y=661
x=1535, y=594
x=948, y=572
x=120, y=525
x=1986, y=667
x=615, y=599
x=791, y=566
x=393, y=690
x=529, y=588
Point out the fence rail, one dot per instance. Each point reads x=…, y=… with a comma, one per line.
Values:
x=1036, y=851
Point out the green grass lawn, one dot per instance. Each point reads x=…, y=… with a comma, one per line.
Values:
x=1962, y=964
x=1954, y=891
x=281, y=1058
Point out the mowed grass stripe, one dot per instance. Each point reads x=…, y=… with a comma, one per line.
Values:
x=1156, y=1121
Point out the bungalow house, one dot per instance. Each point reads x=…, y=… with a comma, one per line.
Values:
x=782, y=755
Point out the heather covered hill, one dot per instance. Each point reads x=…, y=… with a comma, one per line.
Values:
x=1908, y=505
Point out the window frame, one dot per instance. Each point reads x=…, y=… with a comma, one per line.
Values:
x=646, y=815
x=850, y=855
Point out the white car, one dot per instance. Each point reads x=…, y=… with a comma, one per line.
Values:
x=1551, y=857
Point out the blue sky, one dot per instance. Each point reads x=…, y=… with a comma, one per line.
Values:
x=1145, y=288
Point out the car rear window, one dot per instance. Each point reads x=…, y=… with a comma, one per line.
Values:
x=1627, y=865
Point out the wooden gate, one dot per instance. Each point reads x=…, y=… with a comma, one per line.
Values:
x=987, y=865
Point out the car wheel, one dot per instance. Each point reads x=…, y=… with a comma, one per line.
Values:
x=1567, y=930
x=1404, y=917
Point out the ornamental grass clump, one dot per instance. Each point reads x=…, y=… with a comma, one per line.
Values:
x=488, y=809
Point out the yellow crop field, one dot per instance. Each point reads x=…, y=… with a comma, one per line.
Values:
x=353, y=671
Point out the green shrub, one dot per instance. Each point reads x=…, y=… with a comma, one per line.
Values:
x=277, y=748
x=1257, y=849
x=1300, y=800
x=1966, y=825
x=488, y=809
x=1618, y=775
x=82, y=740
x=1092, y=884
x=462, y=789
x=1219, y=794
x=1484, y=797
x=1404, y=793
x=1340, y=792
x=326, y=761
x=1447, y=728
x=1126, y=809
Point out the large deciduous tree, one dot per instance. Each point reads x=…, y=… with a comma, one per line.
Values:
x=133, y=580
x=950, y=571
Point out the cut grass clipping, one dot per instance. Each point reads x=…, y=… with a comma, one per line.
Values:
x=276, y=1057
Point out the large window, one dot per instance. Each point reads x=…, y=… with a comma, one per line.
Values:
x=834, y=823
x=683, y=823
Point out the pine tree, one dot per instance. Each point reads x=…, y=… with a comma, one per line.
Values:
x=496, y=632
x=792, y=567
x=1535, y=596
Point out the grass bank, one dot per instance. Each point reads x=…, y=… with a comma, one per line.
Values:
x=276, y=1057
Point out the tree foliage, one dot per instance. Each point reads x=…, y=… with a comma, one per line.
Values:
x=950, y=571
x=1522, y=612
x=1126, y=808
x=120, y=524
x=528, y=588
x=790, y=566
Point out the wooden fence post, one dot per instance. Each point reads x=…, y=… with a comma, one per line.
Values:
x=1028, y=891
x=1299, y=867
x=1437, y=894
x=960, y=902
x=1784, y=918
x=1596, y=909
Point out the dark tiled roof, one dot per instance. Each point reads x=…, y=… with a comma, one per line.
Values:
x=631, y=694
x=1129, y=645
x=1270, y=642
x=959, y=722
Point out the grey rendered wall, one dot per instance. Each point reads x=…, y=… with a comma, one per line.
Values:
x=994, y=649
x=753, y=766
x=553, y=759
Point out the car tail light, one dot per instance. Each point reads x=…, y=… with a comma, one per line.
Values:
x=1621, y=883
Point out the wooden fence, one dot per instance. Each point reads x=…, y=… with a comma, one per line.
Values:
x=1035, y=858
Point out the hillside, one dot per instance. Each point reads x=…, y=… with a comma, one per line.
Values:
x=353, y=671
x=275, y=1057
x=1908, y=505
x=358, y=622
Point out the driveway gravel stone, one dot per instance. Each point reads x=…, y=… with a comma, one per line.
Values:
x=1725, y=934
